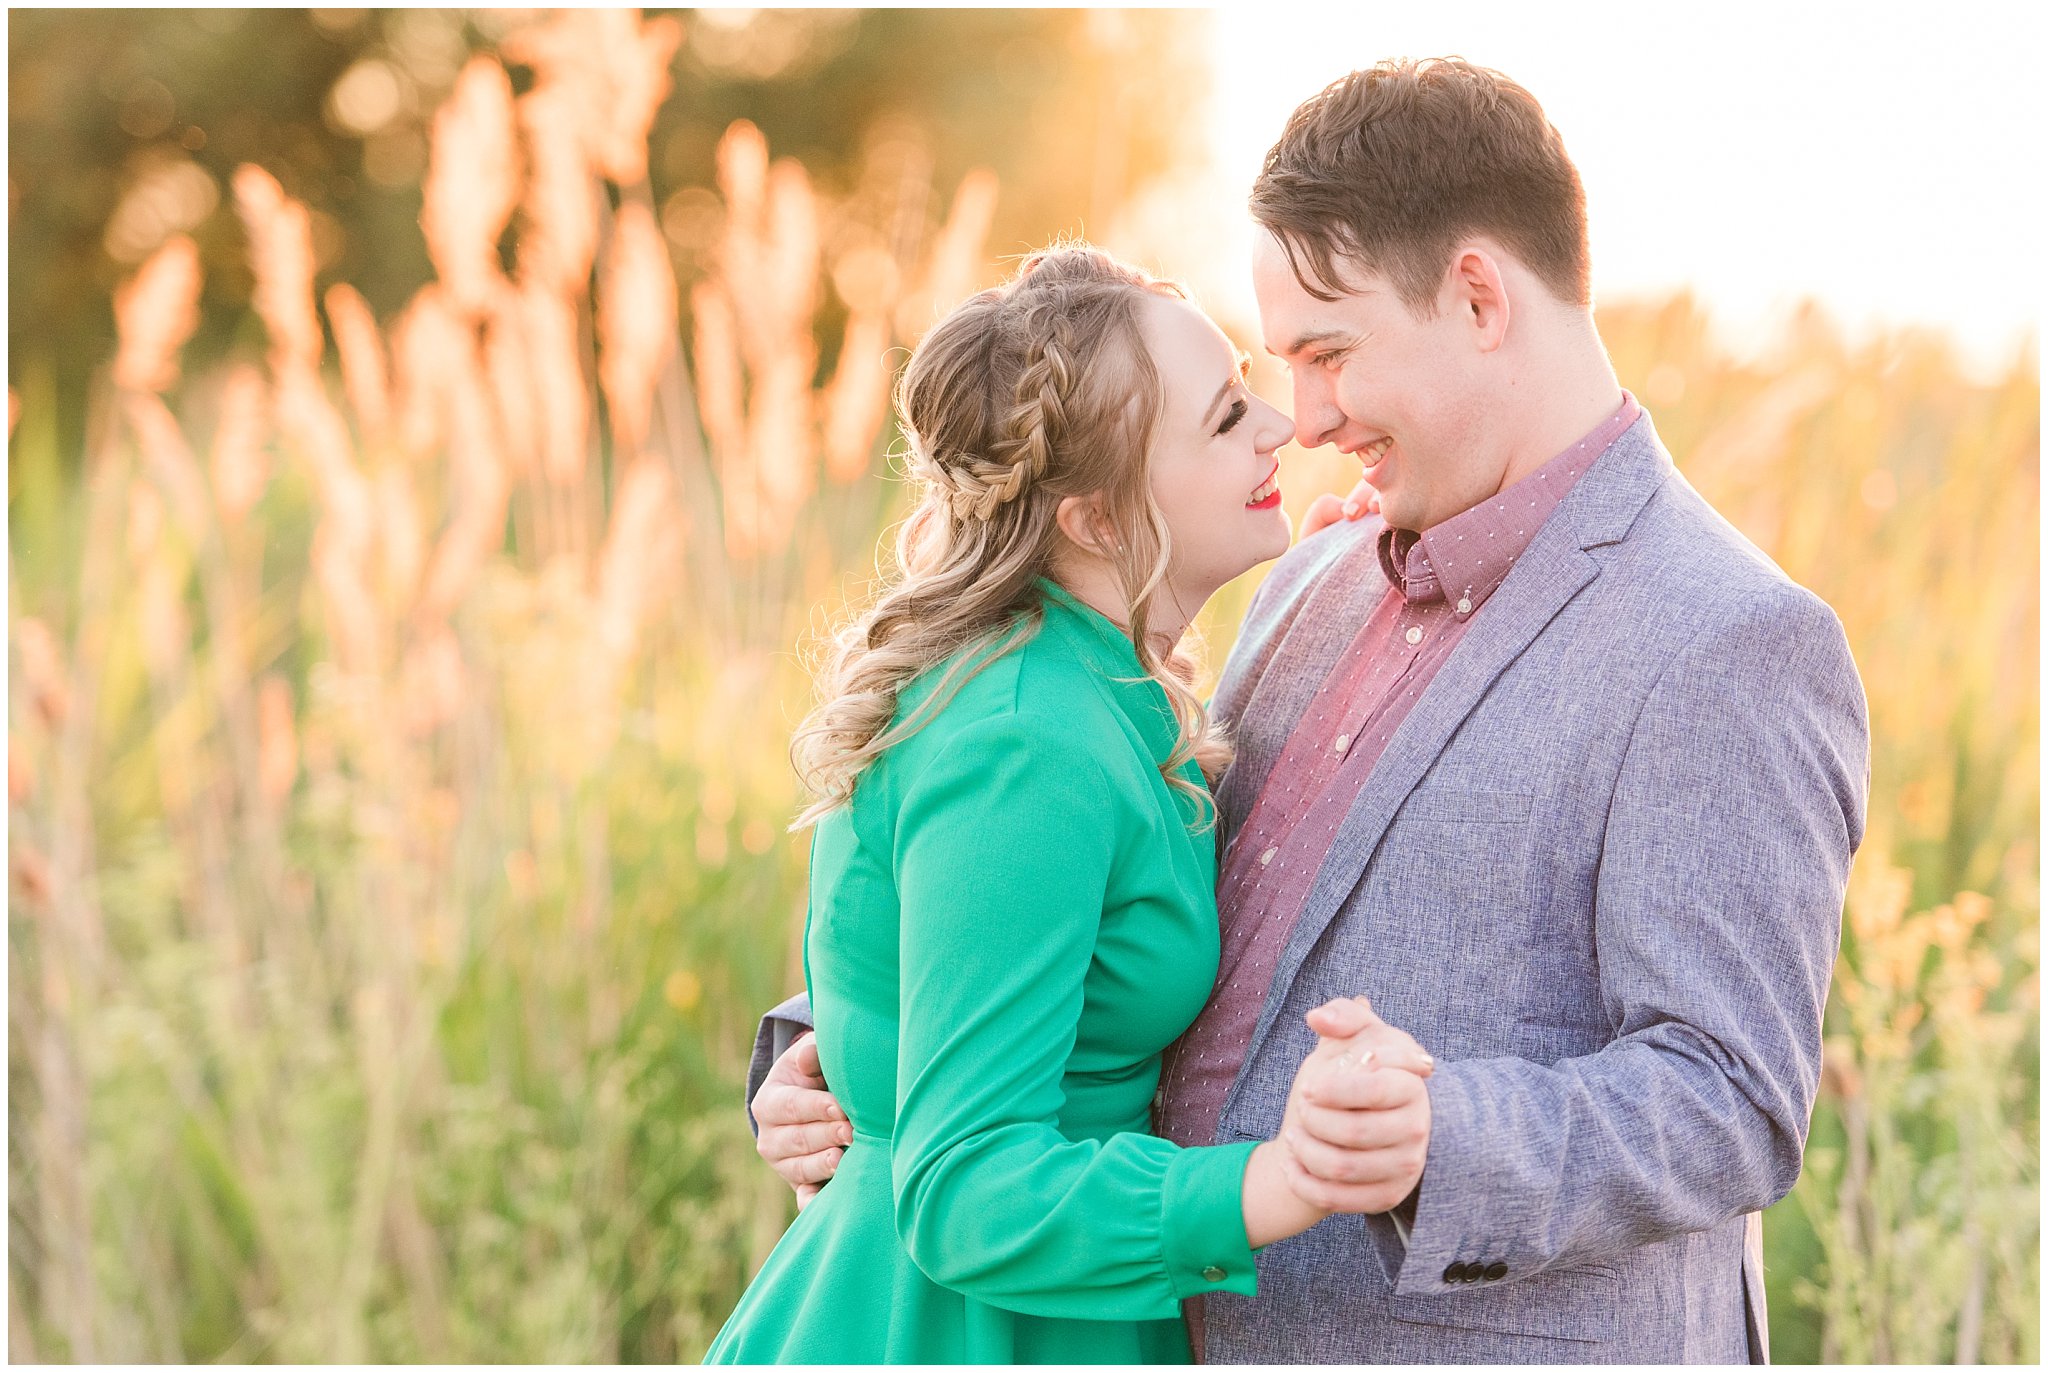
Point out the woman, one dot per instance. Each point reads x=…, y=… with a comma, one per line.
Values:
x=1013, y=865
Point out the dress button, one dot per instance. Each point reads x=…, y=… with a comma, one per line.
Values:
x=1212, y=1273
x=1496, y=1271
x=1414, y=634
x=1455, y=1273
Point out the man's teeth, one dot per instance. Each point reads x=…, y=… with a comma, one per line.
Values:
x=1266, y=488
x=1377, y=449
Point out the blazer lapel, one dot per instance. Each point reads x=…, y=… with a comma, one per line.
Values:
x=1556, y=567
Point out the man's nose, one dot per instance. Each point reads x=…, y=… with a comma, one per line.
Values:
x=1316, y=417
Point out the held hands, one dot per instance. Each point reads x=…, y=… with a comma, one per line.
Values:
x=1327, y=509
x=1356, y=1132
x=803, y=1131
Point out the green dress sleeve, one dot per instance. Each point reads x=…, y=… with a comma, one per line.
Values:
x=1002, y=855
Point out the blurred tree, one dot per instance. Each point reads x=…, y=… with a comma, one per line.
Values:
x=125, y=125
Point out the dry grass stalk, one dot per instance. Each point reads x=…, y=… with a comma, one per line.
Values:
x=856, y=401
x=514, y=385
x=478, y=526
x=956, y=256
x=636, y=322
x=558, y=231
x=639, y=549
x=239, y=465
x=42, y=668
x=428, y=344
x=472, y=185
x=155, y=311
x=281, y=256
x=365, y=375
x=618, y=71
x=561, y=392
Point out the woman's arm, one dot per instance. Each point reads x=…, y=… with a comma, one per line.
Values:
x=1004, y=846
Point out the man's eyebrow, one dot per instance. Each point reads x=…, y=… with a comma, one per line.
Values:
x=1309, y=340
x=1244, y=371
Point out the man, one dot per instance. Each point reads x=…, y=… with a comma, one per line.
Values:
x=1548, y=763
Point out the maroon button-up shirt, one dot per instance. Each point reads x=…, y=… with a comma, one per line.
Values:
x=1438, y=580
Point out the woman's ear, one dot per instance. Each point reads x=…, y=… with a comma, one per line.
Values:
x=1086, y=525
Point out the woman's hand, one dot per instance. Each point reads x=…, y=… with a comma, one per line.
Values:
x=1356, y=1129
x=1327, y=509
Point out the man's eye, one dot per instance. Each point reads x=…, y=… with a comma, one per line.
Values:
x=1328, y=359
x=1238, y=410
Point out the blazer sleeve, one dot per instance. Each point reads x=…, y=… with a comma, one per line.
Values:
x=1739, y=804
x=778, y=1029
x=1002, y=855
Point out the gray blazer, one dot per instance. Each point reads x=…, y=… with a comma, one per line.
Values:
x=1598, y=873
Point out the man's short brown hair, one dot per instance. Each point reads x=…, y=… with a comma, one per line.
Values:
x=1392, y=167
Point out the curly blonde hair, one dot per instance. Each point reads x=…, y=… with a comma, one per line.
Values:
x=1024, y=395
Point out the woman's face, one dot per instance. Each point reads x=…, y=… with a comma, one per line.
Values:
x=1214, y=471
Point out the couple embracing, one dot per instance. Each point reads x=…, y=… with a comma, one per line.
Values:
x=1446, y=989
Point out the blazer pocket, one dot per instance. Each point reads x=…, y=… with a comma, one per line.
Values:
x=1466, y=807
x=1565, y=1304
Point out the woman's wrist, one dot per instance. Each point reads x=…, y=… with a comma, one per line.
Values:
x=1272, y=1209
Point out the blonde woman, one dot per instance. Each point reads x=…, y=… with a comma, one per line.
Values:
x=1013, y=866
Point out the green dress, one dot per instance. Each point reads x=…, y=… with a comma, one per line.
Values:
x=1007, y=925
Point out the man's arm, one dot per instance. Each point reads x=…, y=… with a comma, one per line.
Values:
x=1717, y=919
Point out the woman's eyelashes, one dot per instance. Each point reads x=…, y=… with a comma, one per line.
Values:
x=1238, y=410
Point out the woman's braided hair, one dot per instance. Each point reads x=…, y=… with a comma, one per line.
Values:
x=1025, y=394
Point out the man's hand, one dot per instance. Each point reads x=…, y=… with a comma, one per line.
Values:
x=803, y=1131
x=1357, y=1123
x=1326, y=509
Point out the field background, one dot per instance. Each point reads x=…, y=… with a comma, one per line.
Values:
x=405, y=629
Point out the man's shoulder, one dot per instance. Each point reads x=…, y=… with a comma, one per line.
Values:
x=1303, y=567
x=1686, y=554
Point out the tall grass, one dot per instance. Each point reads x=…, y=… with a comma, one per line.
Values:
x=397, y=774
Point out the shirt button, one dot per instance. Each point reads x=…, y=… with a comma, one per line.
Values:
x=1464, y=605
x=1414, y=634
x=1340, y=743
x=1213, y=1273
x=1267, y=857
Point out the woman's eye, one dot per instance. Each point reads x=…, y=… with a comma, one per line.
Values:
x=1238, y=410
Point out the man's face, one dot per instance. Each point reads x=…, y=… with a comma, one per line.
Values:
x=1402, y=394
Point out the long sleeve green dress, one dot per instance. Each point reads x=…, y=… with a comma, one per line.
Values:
x=1009, y=922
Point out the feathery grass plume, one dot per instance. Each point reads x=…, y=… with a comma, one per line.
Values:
x=281, y=256
x=21, y=772
x=428, y=343
x=277, y=738
x=239, y=464
x=558, y=217
x=715, y=349
x=956, y=256
x=619, y=72
x=782, y=432
x=478, y=527
x=561, y=393
x=155, y=311
x=636, y=322
x=857, y=399
x=513, y=382
x=472, y=184
x=365, y=375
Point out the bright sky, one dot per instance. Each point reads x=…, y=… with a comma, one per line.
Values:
x=1884, y=158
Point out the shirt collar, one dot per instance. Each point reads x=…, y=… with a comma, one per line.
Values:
x=1465, y=559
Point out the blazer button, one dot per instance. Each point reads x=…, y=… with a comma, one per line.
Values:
x=1496, y=1271
x=1455, y=1273
x=1212, y=1273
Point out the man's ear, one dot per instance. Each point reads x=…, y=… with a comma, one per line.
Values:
x=1086, y=524
x=1480, y=295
